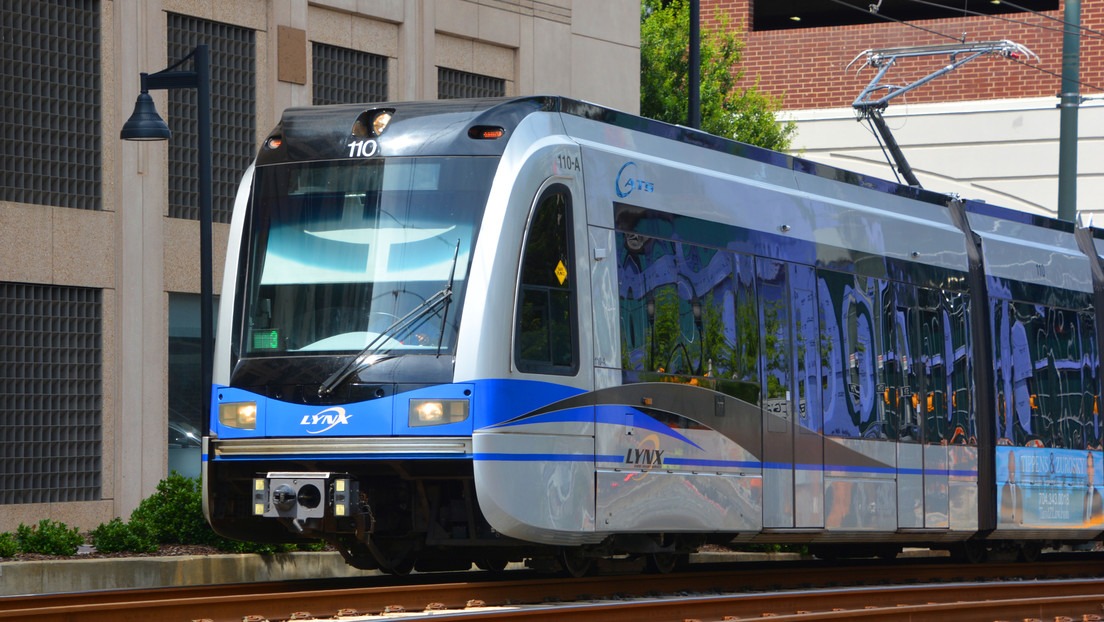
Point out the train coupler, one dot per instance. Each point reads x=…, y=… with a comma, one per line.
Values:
x=308, y=501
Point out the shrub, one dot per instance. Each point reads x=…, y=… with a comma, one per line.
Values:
x=48, y=538
x=259, y=548
x=116, y=536
x=9, y=546
x=174, y=514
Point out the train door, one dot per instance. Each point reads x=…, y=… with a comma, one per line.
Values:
x=935, y=405
x=899, y=378
x=776, y=398
x=793, y=449
x=808, y=438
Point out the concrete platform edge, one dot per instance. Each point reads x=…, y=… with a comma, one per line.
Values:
x=84, y=575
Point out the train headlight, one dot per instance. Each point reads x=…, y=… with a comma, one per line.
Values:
x=241, y=415
x=371, y=123
x=380, y=121
x=425, y=412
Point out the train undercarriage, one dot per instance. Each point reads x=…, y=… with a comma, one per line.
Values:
x=403, y=516
x=400, y=516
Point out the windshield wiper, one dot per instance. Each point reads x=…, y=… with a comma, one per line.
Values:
x=368, y=356
x=448, y=297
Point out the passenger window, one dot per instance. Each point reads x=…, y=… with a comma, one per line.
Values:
x=934, y=339
x=1090, y=415
x=896, y=363
x=963, y=425
x=546, y=336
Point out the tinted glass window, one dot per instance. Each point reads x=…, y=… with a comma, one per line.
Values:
x=546, y=336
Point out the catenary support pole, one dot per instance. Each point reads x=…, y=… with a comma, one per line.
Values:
x=1070, y=101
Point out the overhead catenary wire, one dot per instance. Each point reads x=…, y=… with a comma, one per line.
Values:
x=894, y=19
x=1010, y=20
x=1064, y=23
x=960, y=39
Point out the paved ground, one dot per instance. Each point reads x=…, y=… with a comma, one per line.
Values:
x=52, y=576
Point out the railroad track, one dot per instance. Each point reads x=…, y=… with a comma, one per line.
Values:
x=806, y=591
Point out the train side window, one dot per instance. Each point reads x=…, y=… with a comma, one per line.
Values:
x=963, y=424
x=1030, y=375
x=896, y=369
x=834, y=298
x=934, y=338
x=1090, y=365
x=546, y=336
x=1067, y=339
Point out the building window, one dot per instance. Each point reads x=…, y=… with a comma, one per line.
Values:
x=344, y=76
x=456, y=84
x=233, y=115
x=774, y=15
x=50, y=139
x=51, y=393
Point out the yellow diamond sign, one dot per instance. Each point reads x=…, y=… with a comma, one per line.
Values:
x=561, y=272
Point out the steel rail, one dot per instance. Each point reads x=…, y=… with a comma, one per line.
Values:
x=278, y=601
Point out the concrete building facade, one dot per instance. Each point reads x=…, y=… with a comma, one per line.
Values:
x=988, y=130
x=99, y=238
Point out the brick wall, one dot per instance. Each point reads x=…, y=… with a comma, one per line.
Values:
x=807, y=66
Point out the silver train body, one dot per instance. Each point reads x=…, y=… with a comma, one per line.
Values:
x=477, y=331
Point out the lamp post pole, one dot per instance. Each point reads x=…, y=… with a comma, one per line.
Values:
x=146, y=124
x=694, y=80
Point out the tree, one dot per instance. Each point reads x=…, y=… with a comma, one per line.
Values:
x=728, y=110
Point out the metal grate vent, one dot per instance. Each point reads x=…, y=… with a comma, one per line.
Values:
x=51, y=393
x=233, y=113
x=344, y=76
x=456, y=84
x=50, y=140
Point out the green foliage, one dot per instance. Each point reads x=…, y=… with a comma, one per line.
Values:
x=727, y=109
x=174, y=514
x=48, y=538
x=9, y=546
x=260, y=548
x=116, y=536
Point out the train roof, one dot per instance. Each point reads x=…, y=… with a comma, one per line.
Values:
x=441, y=127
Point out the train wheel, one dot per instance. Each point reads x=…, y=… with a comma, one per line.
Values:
x=396, y=558
x=661, y=563
x=1029, y=552
x=400, y=567
x=972, y=551
x=573, y=563
x=888, y=552
x=827, y=552
x=491, y=565
x=357, y=555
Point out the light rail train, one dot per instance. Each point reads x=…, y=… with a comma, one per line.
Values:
x=479, y=331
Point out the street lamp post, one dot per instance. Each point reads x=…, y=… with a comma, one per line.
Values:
x=146, y=124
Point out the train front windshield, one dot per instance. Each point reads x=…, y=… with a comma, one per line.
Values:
x=353, y=254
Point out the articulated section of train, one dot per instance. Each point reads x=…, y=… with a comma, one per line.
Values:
x=488, y=330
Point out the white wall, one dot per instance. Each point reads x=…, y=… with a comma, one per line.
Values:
x=1001, y=151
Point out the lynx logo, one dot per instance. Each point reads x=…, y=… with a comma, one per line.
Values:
x=644, y=458
x=330, y=417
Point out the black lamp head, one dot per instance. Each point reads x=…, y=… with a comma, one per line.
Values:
x=145, y=123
